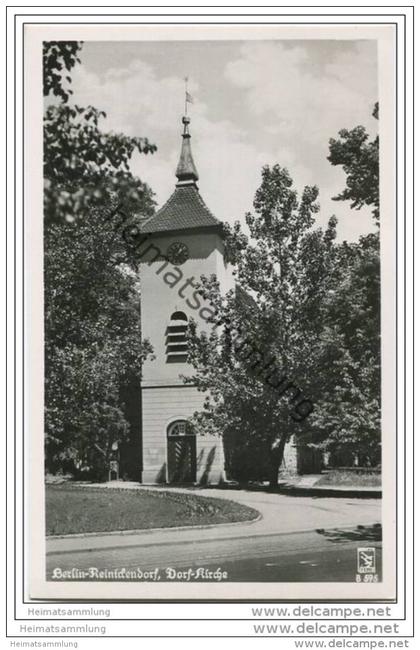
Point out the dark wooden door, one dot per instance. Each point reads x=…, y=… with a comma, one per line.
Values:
x=182, y=459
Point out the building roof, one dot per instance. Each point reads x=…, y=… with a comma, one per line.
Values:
x=186, y=170
x=185, y=209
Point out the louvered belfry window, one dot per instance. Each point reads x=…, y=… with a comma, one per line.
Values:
x=176, y=337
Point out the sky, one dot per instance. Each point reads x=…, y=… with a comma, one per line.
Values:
x=255, y=103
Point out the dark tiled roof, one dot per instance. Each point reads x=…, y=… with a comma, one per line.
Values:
x=185, y=209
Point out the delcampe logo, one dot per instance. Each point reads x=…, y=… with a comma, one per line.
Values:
x=366, y=560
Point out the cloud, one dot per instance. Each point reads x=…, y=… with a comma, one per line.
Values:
x=302, y=96
x=136, y=103
x=292, y=105
x=134, y=99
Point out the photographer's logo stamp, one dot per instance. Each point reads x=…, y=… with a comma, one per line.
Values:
x=366, y=560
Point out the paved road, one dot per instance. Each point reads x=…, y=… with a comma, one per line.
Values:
x=290, y=557
x=297, y=539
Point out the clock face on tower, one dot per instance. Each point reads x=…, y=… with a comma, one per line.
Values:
x=177, y=253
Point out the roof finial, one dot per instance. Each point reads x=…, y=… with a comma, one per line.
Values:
x=186, y=171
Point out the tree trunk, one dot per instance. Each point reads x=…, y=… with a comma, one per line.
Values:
x=276, y=457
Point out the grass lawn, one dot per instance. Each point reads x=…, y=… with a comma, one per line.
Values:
x=73, y=509
x=351, y=479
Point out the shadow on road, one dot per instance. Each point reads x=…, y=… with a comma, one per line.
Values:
x=289, y=490
x=357, y=534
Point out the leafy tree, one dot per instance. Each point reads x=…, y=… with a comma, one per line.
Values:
x=347, y=419
x=351, y=421
x=59, y=57
x=284, y=275
x=84, y=167
x=93, y=343
x=359, y=158
x=93, y=346
x=309, y=305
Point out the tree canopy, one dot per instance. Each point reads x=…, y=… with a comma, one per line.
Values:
x=286, y=270
x=359, y=158
x=93, y=346
x=300, y=355
x=84, y=166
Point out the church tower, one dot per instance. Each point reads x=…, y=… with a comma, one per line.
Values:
x=181, y=242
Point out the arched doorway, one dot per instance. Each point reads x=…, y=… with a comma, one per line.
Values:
x=182, y=453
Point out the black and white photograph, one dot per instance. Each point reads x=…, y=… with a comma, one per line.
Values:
x=216, y=394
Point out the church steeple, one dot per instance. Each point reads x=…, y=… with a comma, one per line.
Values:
x=186, y=171
x=185, y=209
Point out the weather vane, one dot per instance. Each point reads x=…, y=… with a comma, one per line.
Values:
x=188, y=98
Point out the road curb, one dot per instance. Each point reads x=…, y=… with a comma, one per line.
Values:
x=145, y=531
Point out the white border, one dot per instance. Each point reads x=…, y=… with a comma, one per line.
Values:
x=402, y=113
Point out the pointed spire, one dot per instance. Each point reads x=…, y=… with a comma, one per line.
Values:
x=186, y=171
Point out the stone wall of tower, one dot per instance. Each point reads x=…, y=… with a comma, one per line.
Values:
x=162, y=294
x=165, y=396
x=161, y=406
